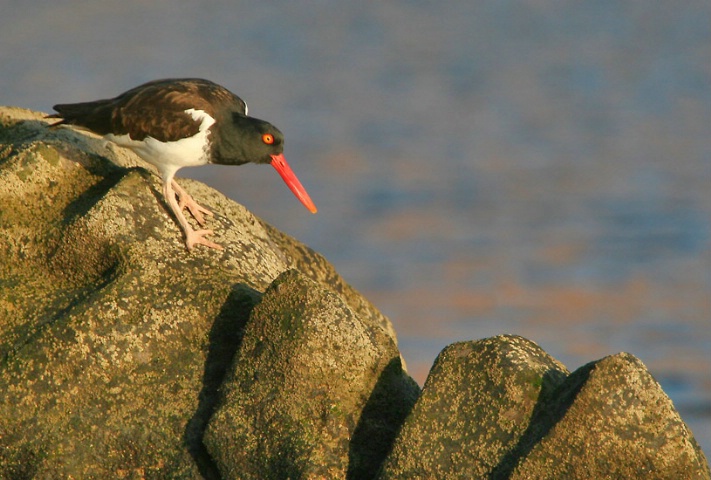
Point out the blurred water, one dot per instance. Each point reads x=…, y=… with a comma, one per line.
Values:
x=523, y=167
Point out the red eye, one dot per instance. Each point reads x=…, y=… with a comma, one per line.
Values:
x=268, y=138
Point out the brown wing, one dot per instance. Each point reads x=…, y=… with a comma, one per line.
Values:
x=155, y=109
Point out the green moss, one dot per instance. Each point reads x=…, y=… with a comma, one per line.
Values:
x=24, y=174
x=48, y=153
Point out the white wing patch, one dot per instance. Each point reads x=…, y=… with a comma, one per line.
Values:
x=246, y=109
x=169, y=157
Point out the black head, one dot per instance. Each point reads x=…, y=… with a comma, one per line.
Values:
x=241, y=139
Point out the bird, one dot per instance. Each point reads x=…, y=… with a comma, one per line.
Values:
x=185, y=122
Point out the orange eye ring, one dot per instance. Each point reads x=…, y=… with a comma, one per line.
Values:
x=268, y=138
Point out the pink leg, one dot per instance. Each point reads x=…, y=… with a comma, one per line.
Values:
x=186, y=201
x=192, y=237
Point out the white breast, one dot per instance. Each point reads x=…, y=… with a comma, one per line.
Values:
x=171, y=156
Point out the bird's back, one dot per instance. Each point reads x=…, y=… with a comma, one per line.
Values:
x=156, y=109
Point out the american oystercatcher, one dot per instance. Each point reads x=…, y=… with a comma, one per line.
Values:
x=175, y=123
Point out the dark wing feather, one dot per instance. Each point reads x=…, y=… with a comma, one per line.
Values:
x=155, y=109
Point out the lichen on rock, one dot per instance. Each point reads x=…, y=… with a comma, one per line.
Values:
x=123, y=355
x=300, y=387
x=115, y=338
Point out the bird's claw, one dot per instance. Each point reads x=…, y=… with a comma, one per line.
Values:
x=194, y=208
x=186, y=201
x=195, y=237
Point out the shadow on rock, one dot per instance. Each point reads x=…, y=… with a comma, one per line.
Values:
x=224, y=341
x=543, y=418
x=392, y=399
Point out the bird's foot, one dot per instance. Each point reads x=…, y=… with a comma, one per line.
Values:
x=194, y=208
x=197, y=237
x=186, y=201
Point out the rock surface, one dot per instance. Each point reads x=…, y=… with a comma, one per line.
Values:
x=458, y=428
x=122, y=355
x=501, y=408
x=611, y=419
x=309, y=377
x=115, y=338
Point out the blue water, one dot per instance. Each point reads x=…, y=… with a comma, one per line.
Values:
x=534, y=168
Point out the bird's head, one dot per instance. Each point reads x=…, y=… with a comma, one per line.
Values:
x=247, y=139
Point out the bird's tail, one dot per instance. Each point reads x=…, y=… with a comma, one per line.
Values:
x=62, y=121
x=95, y=115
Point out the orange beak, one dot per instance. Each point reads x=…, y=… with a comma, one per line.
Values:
x=280, y=165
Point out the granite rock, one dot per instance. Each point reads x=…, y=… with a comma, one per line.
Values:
x=115, y=338
x=123, y=355
x=501, y=408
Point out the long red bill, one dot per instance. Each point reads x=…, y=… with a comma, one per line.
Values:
x=280, y=165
